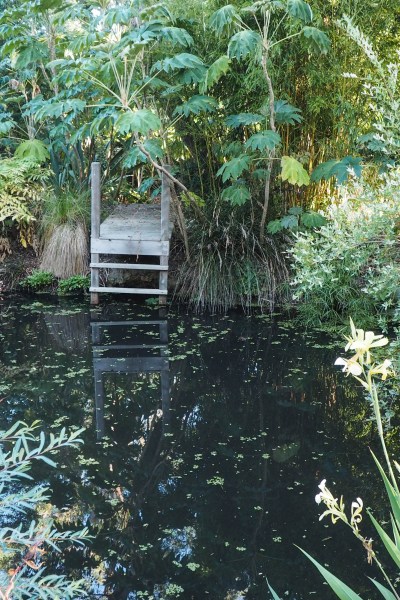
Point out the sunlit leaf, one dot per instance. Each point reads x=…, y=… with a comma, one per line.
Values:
x=142, y=121
x=293, y=171
x=34, y=150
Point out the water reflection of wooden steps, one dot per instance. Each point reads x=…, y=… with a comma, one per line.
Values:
x=134, y=230
x=115, y=357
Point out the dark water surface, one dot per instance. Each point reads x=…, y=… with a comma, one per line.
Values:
x=206, y=438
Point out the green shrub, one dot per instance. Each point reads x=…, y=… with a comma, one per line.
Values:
x=38, y=280
x=23, y=542
x=73, y=285
x=351, y=265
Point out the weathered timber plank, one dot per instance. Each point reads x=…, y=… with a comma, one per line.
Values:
x=135, y=221
x=163, y=279
x=113, y=347
x=121, y=290
x=123, y=323
x=133, y=247
x=130, y=365
x=138, y=266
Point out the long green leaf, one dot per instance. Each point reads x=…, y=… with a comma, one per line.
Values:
x=387, y=594
x=388, y=542
x=391, y=492
x=341, y=590
x=274, y=594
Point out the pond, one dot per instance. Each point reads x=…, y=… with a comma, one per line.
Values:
x=205, y=440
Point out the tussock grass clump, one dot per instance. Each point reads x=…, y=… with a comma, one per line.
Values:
x=66, y=251
x=228, y=267
x=64, y=234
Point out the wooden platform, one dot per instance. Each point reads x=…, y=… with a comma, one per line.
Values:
x=131, y=230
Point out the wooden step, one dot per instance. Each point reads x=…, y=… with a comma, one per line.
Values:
x=141, y=267
x=121, y=290
x=132, y=247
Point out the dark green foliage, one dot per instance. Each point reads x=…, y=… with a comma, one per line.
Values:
x=77, y=284
x=38, y=280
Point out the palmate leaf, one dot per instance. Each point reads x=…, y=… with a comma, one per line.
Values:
x=263, y=140
x=196, y=105
x=293, y=171
x=237, y=195
x=244, y=43
x=222, y=20
x=317, y=39
x=244, y=119
x=179, y=61
x=34, y=150
x=323, y=171
x=338, y=168
x=342, y=168
x=300, y=10
x=286, y=113
x=341, y=590
x=215, y=72
x=32, y=53
x=311, y=219
x=234, y=167
x=142, y=121
x=177, y=35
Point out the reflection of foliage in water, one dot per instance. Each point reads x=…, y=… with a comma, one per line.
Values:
x=256, y=412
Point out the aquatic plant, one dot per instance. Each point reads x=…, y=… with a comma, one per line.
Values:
x=364, y=367
x=23, y=542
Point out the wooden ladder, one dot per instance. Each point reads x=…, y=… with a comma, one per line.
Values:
x=107, y=239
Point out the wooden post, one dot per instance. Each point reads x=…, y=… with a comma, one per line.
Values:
x=165, y=206
x=95, y=226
